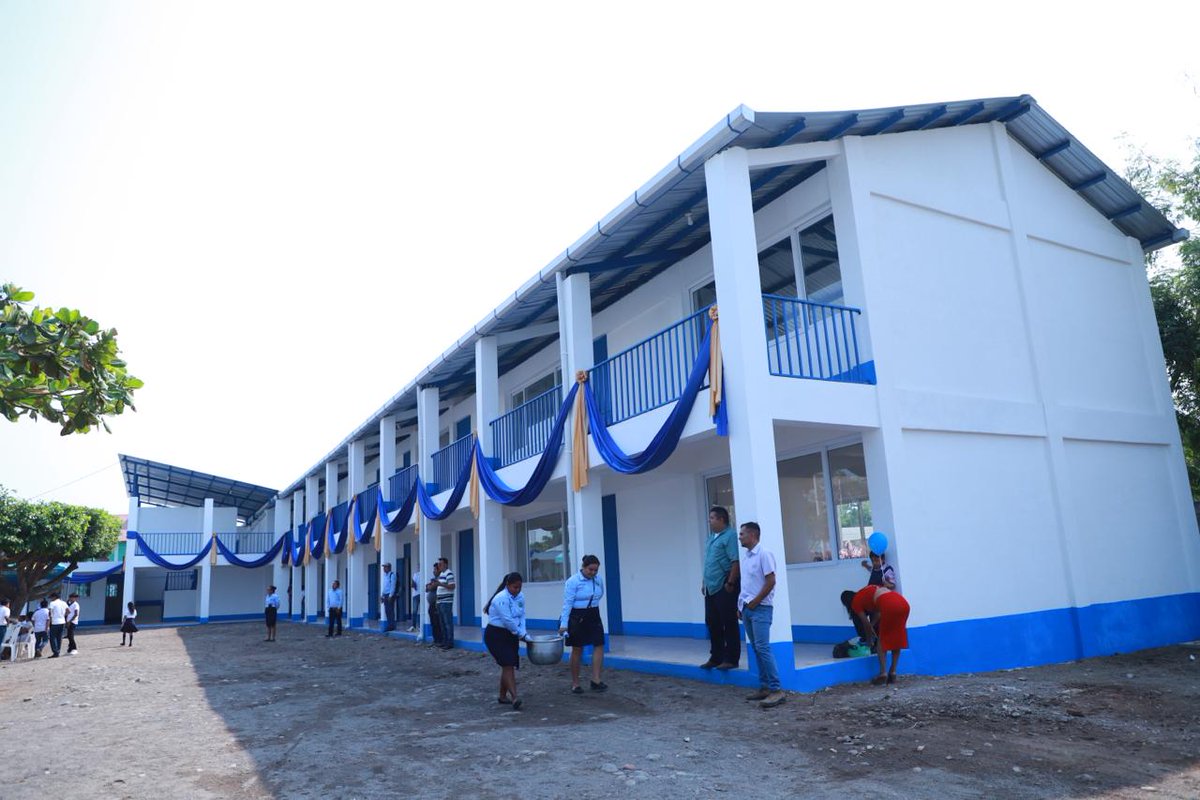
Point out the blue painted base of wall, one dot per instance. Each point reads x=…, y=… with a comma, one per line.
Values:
x=1047, y=637
x=179, y=619
x=822, y=634
x=681, y=630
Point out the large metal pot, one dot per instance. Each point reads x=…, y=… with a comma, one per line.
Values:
x=544, y=649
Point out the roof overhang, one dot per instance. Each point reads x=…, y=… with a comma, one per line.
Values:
x=156, y=484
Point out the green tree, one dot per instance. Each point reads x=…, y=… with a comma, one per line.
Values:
x=36, y=538
x=59, y=365
x=1175, y=289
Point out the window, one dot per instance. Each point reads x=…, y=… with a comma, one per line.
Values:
x=812, y=484
x=777, y=269
x=81, y=589
x=543, y=541
x=851, y=501
x=719, y=489
x=540, y=386
x=819, y=256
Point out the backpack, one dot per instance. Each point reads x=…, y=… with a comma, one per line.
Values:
x=841, y=650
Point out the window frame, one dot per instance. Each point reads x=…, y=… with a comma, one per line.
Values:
x=520, y=532
x=830, y=509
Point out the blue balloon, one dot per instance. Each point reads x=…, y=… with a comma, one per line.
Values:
x=878, y=542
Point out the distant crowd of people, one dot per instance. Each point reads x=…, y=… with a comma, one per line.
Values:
x=49, y=622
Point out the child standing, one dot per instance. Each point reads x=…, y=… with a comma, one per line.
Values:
x=882, y=573
x=128, y=626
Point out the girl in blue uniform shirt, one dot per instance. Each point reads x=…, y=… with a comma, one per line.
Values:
x=271, y=612
x=581, y=621
x=504, y=632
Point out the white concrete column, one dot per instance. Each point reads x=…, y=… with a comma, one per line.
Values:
x=747, y=381
x=279, y=573
x=356, y=562
x=314, y=591
x=128, y=585
x=585, y=519
x=430, y=540
x=335, y=566
x=490, y=526
x=298, y=599
x=389, y=548
x=206, y=567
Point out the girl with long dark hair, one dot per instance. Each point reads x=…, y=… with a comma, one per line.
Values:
x=505, y=630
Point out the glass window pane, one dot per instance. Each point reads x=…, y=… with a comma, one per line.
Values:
x=777, y=270
x=720, y=493
x=802, y=501
x=545, y=544
x=822, y=271
x=705, y=296
x=852, y=500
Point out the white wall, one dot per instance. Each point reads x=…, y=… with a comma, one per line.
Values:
x=238, y=591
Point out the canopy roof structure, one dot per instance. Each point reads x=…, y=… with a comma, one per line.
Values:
x=667, y=220
x=156, y=484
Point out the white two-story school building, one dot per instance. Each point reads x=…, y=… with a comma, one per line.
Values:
x=933, y=321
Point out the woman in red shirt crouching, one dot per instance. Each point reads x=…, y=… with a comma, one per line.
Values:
x=892, y=609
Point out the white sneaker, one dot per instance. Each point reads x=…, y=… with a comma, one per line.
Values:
x=412, y=630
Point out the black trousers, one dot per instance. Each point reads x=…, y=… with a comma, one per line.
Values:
x=71, y=637
x=335, y=616
x=724, y=637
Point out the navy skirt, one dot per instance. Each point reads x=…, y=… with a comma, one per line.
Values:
x=272, y=616
x=585, y=627
x=504, y=646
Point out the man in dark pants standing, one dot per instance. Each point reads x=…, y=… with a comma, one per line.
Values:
x=333, y=608
x=720, y=590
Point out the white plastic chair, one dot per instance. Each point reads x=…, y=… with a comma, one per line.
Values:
x=10, y=641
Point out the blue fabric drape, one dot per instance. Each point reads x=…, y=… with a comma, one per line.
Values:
x=400, y=521
x=92, y=577
x=287, y=549
x=667, y=438
x=721, y=418
x=335, y=526
x=298, y=546
x=499, y=491
x=266, y=558
x=464, y=477
x=316, y=527
x=364, y=514
x=159, y=561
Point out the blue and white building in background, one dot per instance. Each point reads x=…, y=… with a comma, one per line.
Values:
x=934, y=321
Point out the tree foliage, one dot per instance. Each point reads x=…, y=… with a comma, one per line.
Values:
x=35, y=538
x=59, y=365
x=1175, y=289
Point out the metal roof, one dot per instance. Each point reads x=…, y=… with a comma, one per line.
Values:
x=667, y=219
x=156, y=484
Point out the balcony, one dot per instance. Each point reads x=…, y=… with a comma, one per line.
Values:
x=189, y=543
x=814, y=340
x=448, y=463
x=401, y=483
x=651, y=373
x=523, y=432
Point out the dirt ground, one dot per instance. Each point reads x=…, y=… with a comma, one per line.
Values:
x=214, y=712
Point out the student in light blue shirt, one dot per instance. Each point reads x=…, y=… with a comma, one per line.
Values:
x=504, y=632
x=387, y=595
x=581, y=621
x=333, y=608
x=271, y=610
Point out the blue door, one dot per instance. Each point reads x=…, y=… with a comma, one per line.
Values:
x=373, y=589
x=601, y=388
x=462, y=428
x=465, y=577
x=612, y=564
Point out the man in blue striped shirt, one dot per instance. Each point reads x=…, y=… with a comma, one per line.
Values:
x=445, y=602
x=388, y=596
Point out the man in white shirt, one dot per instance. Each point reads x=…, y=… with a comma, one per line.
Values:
x=58, y=621
x=41, y=624
x=72, y=623
x=388, y=596
x=5, y=611
x=756, y=610
x=416, y=600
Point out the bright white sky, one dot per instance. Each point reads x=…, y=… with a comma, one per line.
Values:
x=288, y=209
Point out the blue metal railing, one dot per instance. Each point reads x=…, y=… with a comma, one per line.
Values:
x=523, y=432
x=172, y=544
x=184, y=580
x=247, y=542
x=449, y=461
x=402, y=482
x=813, y=340
x=650, y=374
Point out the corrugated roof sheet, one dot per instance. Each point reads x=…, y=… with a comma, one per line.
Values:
x=157, y=484
x=667, y=218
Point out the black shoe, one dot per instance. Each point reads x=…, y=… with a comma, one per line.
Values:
x=329, y=636
x=599, y=687
x=709, y=664
x=728, y=665
x=516, y=705
x=576, y=690
x=54, y=655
